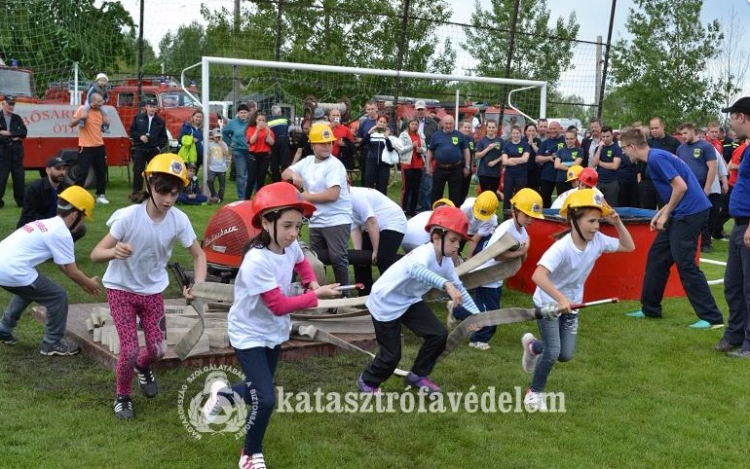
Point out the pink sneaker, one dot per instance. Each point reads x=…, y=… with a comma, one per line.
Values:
x=419, y=382
x=366, y=388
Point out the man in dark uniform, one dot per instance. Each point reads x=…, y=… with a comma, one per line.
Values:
x=12, y=133
x=280, y=151
x=149, y=135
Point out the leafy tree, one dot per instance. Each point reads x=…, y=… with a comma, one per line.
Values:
x=661, y=71
x=47, y=36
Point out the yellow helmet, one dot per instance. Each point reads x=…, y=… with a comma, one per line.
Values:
x=80, y=199
x=529, y=202
x=585, y=198
x=167, y=163
x=321, y=133
x=443, y=201
x=573, y=172
x=485, y=206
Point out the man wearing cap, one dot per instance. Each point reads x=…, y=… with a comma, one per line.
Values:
x=679, y=224
x=91, y=149
x=149, y=134
x=40, y=197
x=450, y=152
x=12, y=133
x=427, y=128
x=736, y=340
x=365, y=124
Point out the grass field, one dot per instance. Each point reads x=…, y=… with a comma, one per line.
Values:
x=638, y=394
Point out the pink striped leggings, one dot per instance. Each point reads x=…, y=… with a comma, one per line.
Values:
x=125, y=306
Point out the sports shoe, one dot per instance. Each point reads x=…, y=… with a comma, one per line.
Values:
x=534, y=402
x=61, y=347
x=636, y=314
x=213, y=406
x=124, y=408
x=255, y=461
x=8, y=338
x=102, y=200
x=707, y=249
x=725, y=346
x=529, y=359
x=366, y=388
x=422, y=382
x=480, y=345
x=450, y=319
x=705, y=325
x=741, y=353
x=147, y=381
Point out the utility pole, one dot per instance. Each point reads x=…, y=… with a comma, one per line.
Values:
x=606, y=60
x=236, y=32
x=400, y=61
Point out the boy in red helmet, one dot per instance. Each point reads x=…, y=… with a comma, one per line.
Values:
x=396, y=300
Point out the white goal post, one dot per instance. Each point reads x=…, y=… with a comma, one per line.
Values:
x=206, y=63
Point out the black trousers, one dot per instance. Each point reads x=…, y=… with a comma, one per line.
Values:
x=511, y=185
x=678, y=245
x=141, y=158
x=412, y=179
x=545, y=190
x=454, y=178
x=647, y=195
x=280, y=157
x=628, y=196
x=11, y=164
x=377, y=175
x=723, y=214
x=713, y=219
x=419, y=319
x=257, y=169
x=96, y=156
x=489, y=183
x=390, y=241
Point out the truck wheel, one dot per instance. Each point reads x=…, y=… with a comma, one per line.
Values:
x=73, y=172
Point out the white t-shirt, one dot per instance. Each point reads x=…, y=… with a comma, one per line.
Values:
x=570, y=267
x=216, y=160
x=144, y=272
x=477, y=227
x=32, y=244
x=508, y=226
x=721, y=171
x=395, y=291
x=415, y=233
x=250, y=322
x=368, y=203
x=560, y=200
x=319, y=176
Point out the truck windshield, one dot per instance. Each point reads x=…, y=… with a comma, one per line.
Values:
x=177, y=99
x=14, y=82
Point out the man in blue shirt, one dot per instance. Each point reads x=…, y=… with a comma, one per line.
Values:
x=607, y=159
x=679, y=223
x=450, y=152
x=700, y=156
x=546, y=158
x=737, y=273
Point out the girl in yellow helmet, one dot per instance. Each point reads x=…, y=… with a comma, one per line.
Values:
x=138, y=247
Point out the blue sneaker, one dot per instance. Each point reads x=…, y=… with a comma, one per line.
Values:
x=8, y=338
x=636, y=314
x=421, y=382
x=366, y=388
x=705, y=325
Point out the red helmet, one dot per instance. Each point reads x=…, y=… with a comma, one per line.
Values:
x=276, y=196
x=589, y=177
x=449, y=218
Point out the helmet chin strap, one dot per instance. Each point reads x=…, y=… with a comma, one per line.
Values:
x=150, y=194
x=76, y=221
x=577, y=228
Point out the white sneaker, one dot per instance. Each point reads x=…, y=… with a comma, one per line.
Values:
x=534, y=402
x=480, y=345
x=255, y=461
x=450, y=320
x=102, y=200
x=528, y=362
x=213, y=406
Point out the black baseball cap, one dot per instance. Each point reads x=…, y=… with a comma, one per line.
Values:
x=741, y=105
x=56, y=161
x=10, y=100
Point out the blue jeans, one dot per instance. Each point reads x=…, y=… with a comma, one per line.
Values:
x=48, y=294
x=486, y=299
x=239, y=159
x=259, y=365
x=558, y=344
x=425, y=193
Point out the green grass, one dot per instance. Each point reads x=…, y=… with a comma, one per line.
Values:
x=639, y=394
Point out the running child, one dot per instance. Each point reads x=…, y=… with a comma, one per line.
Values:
x=560, y=275
x=259, y=317
x=396, y=300
x=33, y=244
x=138, y=247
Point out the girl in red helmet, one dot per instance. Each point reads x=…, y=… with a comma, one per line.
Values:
x=258, y=321
x=396, y=300
x=586, y=178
